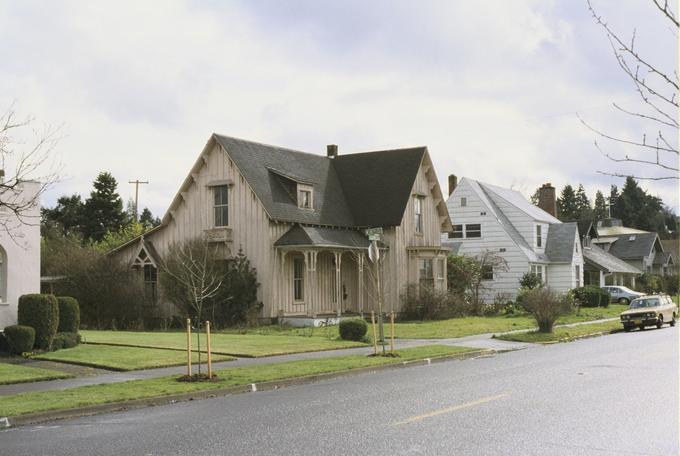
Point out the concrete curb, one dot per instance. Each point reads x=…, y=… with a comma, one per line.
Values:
x=41, y=417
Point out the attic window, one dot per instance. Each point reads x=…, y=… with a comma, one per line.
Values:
x=463, y=202
x=305, y=196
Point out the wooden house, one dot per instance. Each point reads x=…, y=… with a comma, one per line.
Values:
x=300, y=218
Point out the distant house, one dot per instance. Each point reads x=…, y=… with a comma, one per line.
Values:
x=487, y=218
x=19, y=252
x=602, y=268
x=301, y=219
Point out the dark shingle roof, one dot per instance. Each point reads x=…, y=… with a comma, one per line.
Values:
x=324, y=237
x=560, y=244
x=356, y=190
x=629, y=246
x=378, y=184
x=662, y=258
x=597, y=257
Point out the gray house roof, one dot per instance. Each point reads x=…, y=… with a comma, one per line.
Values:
x=597, y=257
x=559, y=246
x=520, y=202
x=662, y=259
x=322, y=237
x=367, y=189
x=631, y=246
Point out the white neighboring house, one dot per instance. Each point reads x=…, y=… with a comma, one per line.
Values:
x=490, y=218
x=19, y=253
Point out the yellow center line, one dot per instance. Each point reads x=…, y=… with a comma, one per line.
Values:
x=449, y=409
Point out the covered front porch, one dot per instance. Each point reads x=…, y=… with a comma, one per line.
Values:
x=602, y=268
x=322, y=274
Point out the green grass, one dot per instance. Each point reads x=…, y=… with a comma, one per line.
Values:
x=468, y=326
x=25, y=403
x=247, y=345
x=562, y=334
x=17, y=373
x=123, y=358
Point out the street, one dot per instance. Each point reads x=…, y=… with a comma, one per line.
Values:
x=611, y=395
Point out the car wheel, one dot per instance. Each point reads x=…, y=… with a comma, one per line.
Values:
x=623, y=301
x=659, y=322
x=627, y=328
x=672, y=322
x=642, y=327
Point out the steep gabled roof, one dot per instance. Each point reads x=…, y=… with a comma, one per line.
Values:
x=264, y=167
x=630, y=246
x=662, y=259
x=518, y=200
x=605, y=261
x=559, y=246
x=378, y=185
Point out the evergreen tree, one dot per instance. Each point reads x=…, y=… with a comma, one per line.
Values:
x=535, y=198
x=600, y=210
x=67, y=215
x=640, y=210
x=615, y=202
x=147, y=220
x=567, y=208
x=583, y=209
x=103, y=210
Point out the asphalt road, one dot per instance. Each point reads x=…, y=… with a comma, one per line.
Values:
x=612, y=395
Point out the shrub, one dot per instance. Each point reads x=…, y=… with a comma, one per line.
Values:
x=530, y=281
x=354, y=329
x=40, y=312
x=426, y=304
x=649, y=283
x=69, y=314
x=65, y=340
x=546, y=305
x=591, y=296
x=671, y=284
x=20, y=339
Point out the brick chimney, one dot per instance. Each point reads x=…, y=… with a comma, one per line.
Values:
x=547, y=200
x=332, y=150
x=453, y=183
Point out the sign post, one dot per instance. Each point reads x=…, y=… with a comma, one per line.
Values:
x=374, y=235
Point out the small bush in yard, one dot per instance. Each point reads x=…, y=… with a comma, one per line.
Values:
x=4, y=346
x=591, y=296
x=69, y=314
x=40, y=312
x=65, y=340
x=546, y=305
x=354, y=329
x=20, y=338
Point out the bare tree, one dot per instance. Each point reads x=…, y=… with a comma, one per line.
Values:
x=190, y=277
x=21, y=160
x=658, y=91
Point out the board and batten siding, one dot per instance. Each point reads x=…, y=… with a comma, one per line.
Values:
x=494, y=238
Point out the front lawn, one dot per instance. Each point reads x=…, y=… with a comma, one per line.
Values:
x=468, y=326
x=564, y=334
x=123, y=358
x=245, y=345
x=16, y=373
x=24, y=403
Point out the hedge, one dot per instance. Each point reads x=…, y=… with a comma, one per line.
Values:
x=354, y=329
x=40, y=312
x=591, y=296
x=69, y=314
x=65, y=340
x=20, y=338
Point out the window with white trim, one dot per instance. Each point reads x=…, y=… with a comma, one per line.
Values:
x=221, y=206
x=473, y=230
x=151, y=283
x=487, y=272
x=457, y=232
x=298, y=279
x=425, y=273
x=463, y=201
x=539, y=271
x=539, y=238
x=305, y=196
x=418, y=213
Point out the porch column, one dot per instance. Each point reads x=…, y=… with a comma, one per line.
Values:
x=310, y=280
x=281, y=298
x=360, y=282
x=601, y=278
x=338, y=281
x=632, y=281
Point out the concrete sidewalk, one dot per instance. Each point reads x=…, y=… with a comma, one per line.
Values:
x=484, y=341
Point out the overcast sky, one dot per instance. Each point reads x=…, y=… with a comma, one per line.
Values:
x=491, y=87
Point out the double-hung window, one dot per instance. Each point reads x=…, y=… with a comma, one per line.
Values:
x=539, y=271
x=473, y=230
x=221, y=205
x=539, y=239
x=150, y=283
x=418, y=213
x=298, y=279
x=305, y=196
x=426, y=275
x=457, y=232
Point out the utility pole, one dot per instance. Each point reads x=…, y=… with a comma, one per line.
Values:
x=137, y=183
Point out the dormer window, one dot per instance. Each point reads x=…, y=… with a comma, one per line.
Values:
x=305, y=196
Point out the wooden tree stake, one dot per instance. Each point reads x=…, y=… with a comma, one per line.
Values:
x=189, y=347
x=207, y=333
x=375, y=336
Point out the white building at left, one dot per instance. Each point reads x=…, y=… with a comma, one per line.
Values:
x=19, y=249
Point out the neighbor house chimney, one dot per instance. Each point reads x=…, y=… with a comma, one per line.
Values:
x=546, y=199
x=453, y=183
x=332, y=150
